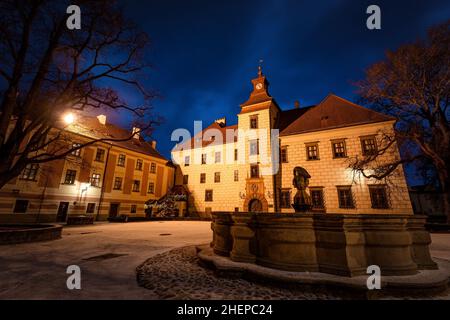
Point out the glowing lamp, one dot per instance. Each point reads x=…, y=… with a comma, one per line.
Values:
x=69, y=118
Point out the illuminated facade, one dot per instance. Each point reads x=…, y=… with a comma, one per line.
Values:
x=249, y=166
x=106, y=179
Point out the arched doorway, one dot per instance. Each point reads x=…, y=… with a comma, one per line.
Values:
x=255, y=205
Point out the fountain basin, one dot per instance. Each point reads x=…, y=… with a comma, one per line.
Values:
x=22, y=233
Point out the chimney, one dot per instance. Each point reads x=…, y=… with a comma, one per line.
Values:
x=102, y=119
x=297, y=104
x=221, y=122
x=136, y=132
x=153, y=144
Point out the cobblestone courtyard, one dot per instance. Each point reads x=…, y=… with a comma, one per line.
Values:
x=108, y=255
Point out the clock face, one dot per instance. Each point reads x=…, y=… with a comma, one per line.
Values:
x=259, y=86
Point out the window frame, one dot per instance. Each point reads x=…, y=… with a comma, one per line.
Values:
x=253, y=122
x=236, y=176
x=386, y=204
x=209, y=192
x=202, y=177
x=251, y=147
x=139, y=164
x=352, y=198
x=153, y=168
x=312, y=145
x=102, y=152
x=121, y=157
x=284, y=154
x=74, y=177
x=115, y=183
x=185, y=179
x=333, y=148
x=31, y=171
x=322, y=206
x=187, y=161
x=76, y=153
x=216, y=177
x=375, y=145
x=96, y=179
x=152, y=189
x=255, y=165
x=134, y=184
x=217, y=157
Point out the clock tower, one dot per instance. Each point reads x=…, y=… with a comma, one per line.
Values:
x=257, y=117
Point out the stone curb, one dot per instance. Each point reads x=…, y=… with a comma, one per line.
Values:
x=425, y=283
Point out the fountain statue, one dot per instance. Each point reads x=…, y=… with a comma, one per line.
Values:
x=302, y=200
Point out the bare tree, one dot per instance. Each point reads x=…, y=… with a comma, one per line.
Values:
x=47, y=69
x=413, y=85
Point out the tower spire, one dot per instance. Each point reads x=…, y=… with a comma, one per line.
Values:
x=260, y=74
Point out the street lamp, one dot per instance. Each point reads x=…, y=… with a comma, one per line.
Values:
x=69, y=118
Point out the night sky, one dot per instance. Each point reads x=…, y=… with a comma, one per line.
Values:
x=204, y=53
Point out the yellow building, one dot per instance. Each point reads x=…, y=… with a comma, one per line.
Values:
x=106, y=179
x=249, y=166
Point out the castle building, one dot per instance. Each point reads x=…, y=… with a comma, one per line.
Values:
x=105, y=179
x=248, y=167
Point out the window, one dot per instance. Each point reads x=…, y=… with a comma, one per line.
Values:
x=254, y=147
x=118, y=183
x=95, y=180
x=21, y=206
x=317, y=199
x=100, y=155
x=133, y=208
x=204, y=158
x=151, y=188
x=312, y=151
x=235, y=154
x=236, y=209
x=202, y=177
x=139, y=163
x=345, y=197
x=216, y=177
x=77, y=152
x=187, y=160
x=90, y=208
x=368, y=146
x=208, y=195
x=185, y=179
x=121, y=160
x=254, y=122
x=153, y=168
x=254, y=171
x=236, y=175
x=378, y=197
x=30, y=172
x=285, y=199
x=70, y=177
x=136, y=185
x=284, y=158
x=338, y=149
x=217, y=157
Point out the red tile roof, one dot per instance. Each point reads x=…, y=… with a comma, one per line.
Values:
x=332, y=112
x=204, y=135
x=90, y=127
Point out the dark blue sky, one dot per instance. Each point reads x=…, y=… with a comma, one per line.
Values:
x=205, y=52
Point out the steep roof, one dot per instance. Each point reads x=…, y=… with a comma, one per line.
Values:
x=91, y=127
x=207, y=133
x=332, y=112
